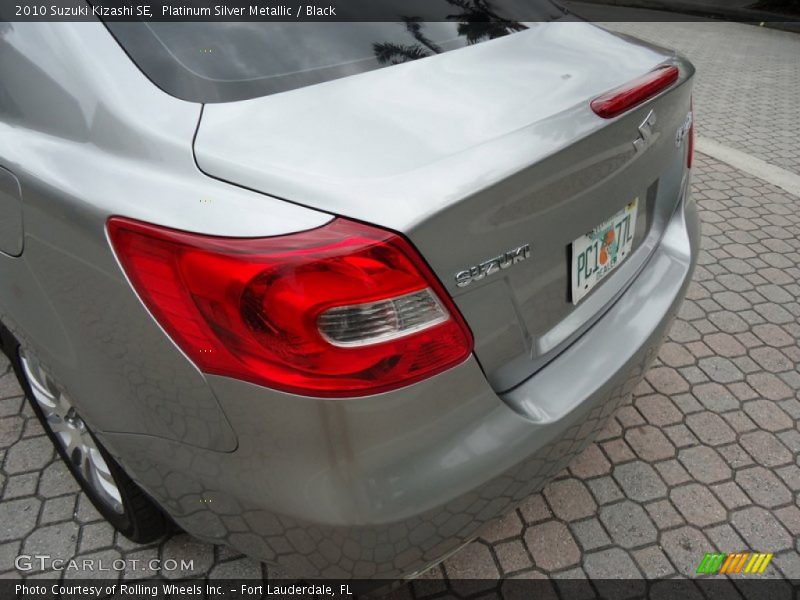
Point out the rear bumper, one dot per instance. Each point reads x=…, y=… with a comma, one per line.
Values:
x=384, y=486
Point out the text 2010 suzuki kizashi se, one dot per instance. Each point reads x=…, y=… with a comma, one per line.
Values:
x=336, y=294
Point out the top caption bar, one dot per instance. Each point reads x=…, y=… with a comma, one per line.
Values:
x=764, y=11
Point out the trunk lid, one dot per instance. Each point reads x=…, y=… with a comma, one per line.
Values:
x=471, y=154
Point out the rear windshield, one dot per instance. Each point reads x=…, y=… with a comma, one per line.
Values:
x=224, y=61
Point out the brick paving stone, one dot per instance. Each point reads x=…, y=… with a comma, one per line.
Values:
x=790, y=439
x=10, y=406
x=715, y=396
x=629, y=417
x=771, y=359
x=789, y=565
x=605, y=490
x=56, y=480
x=773, y=335
x=28, y=455
x=107, y=573
x=724, y=344
x=509, y=525
x=725, y=538
x=473, y=562
x=675, y=355
x=59, y=541
x=704, y=464
x=95, y=536
x=766, y=449
x=770, y=386
x=763, y=487
x=664, y=514
x=590, y=534
x=569, y=499
x=10, y=429
x=760, y=529
x=18, y=518
x=710, y=428
x=687, y=403
x=649, y=443
x=681, y=436
x=58, y=509
x=768, y=415
x=628, y=524
x=683, y=546
x=698, y=505
x=735, y=456
x=618, y=451
x=8, y=554
x=639, y=481
x=552, y=546
x=241, y=568
x=618, y=564
x=731, y=495
x=791, y=407
x=720, y=369
x=672, y=472
x=9, y=386
x=590, y=463
x=739, y=421
x=185, y=547
x=21, y=485
x=789, y=516
x=512, y=556
x=667, y=380
x=653, y=562
x=33, y=429
x=659, y=410
x=573, y=583
x=534, y=509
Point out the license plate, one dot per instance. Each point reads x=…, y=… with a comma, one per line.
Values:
x=600, y=251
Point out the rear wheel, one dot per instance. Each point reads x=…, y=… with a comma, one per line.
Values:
x=112, y=492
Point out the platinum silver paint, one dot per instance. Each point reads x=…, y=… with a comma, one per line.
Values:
x=504, y=157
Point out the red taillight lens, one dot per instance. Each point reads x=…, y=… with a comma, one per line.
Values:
x=690, y=143
x=343, y=310
x=633, y=93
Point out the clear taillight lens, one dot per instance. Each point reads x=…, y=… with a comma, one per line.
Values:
x=342, y=310
x=375, y=322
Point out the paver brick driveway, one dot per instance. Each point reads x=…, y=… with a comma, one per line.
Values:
x=704, y=458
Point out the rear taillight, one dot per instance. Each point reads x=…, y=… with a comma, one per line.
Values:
x=633, y=93
x=690, y=143
x=342, y=310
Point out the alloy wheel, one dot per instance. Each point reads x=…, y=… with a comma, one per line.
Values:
x=72, y=434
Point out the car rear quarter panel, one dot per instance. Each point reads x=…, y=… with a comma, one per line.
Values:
x=88, y=136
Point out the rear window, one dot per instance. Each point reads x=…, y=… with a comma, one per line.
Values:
x=225, y=61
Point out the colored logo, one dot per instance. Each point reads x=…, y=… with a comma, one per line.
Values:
x=743, y=562
x=608, y=245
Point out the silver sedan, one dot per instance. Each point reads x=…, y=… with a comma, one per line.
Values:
x=336, y=294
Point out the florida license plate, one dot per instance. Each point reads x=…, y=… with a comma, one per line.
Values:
x=600, y=251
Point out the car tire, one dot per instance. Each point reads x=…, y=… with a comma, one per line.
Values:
x=123, y=503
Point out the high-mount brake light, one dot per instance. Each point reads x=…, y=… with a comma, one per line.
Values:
x=627, y=96
x=343, y=310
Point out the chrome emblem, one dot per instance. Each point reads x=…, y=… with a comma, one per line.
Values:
x=683, y=130
x=493, y=265
x=645, y=132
